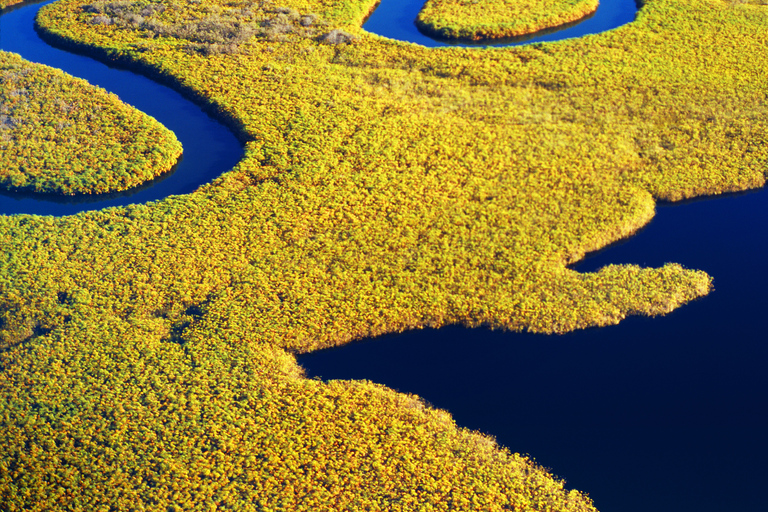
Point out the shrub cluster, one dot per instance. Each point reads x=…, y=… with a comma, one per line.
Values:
x=477, y=20
x=8, y=3
x=210, y=31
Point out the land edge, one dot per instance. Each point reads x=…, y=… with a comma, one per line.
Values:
x=8, y=6
x=123, y=60
x=44, y=195
x=126, y=60
x=499, y=31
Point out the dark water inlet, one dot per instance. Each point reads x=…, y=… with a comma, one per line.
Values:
x=666, y=414
x=209, y=147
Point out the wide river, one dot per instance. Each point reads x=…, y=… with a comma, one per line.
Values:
x=666, y=415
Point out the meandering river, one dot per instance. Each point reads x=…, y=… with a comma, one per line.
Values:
x=666, y=414
x=395, y=19
x=209, y=147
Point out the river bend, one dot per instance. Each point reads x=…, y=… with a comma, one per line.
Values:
x=209, y=147
x=666, y=414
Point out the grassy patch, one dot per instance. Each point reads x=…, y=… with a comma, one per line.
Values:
x=492, y=19
x=212, y=28
x=7, y=3
x=60, y=135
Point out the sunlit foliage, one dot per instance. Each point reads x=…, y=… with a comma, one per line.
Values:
x=8, y=3
x=59, y=134
x=489, y=19
x=213, y=29
x=385, y=186
x=120, y=417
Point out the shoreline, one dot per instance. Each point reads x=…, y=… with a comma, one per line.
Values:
x=494, y=33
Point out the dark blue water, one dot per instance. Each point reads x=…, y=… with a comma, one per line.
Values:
x=395, y=19
x=662, y=414
x=209, y=147
x=667, y=414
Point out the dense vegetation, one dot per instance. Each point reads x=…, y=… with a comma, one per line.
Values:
x=145, y=350
x=214, y=29
x=7, y=3
x=476, y=20
x=59, y=134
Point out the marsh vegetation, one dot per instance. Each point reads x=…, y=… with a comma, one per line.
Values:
x=212, y=28
x=385, y=187
x=478, y=20
x=8, y=3
x=60, y=135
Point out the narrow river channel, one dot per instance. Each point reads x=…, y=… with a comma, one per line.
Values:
x=395, y=19
x=665, y=415
x=209, y=147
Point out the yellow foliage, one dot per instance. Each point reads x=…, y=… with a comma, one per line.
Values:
x=59, y=134
x=4, y=4
x=492, y=19
x=146, y=350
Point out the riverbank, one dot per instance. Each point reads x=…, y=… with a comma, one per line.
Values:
x=209, y=148
x=5, y=4
x=48, y=116
x=472, y=21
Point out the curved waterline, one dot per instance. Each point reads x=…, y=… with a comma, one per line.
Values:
x=210, y=148
x=395, y=19
x=662, y=414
